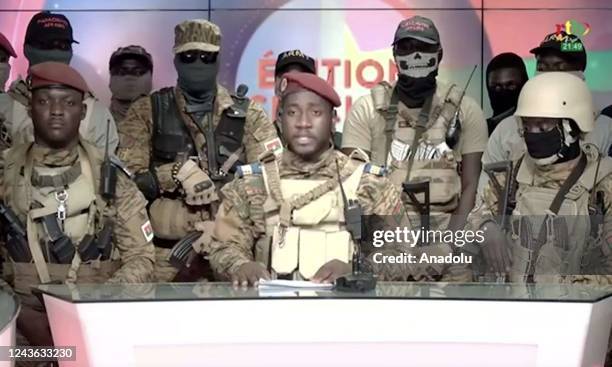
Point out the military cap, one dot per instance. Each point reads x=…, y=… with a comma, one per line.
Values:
x=58, y=74
x=419, y=28
x=46, y=26
x=568, y=46
x=6, y=45
x=297, y=81
x=131, y=52
x=294, y=57
x=197, y=34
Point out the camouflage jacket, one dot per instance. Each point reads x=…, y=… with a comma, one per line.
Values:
x=135, y=132
x=486, y=209
x=131, y=236
x=240, y=221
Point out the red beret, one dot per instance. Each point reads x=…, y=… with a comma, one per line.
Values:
x=6, y=45
x=295, y=81
x=56, y=73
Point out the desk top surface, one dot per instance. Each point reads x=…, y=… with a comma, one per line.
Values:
x=83, y=293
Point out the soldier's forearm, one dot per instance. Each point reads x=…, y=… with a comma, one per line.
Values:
x=226, y=260
x=137, y=270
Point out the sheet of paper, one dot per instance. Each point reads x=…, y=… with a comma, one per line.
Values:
x=293, y=284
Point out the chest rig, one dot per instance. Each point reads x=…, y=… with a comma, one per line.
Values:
x=305, y=226
x=224, y=147
x=63, y=216
x=418, y=151
x=555, y=231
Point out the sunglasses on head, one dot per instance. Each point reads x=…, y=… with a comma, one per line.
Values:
x=189, y=57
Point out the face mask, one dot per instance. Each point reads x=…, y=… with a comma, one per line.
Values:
x=196, y=78
x=543, y=145
x=129, y=87
x=417, y=64
x=503, y=100
x=5, y=71
x=36, y=56
x=558, y=145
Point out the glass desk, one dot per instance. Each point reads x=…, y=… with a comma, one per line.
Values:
x=85, y=293
x=398, y=324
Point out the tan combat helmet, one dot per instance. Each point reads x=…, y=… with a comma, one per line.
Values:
x=197, y=34
x=558, y=94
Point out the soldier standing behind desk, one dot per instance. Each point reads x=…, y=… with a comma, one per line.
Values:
x=185, y=142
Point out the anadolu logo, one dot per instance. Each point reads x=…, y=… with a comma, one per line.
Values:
x=565, y=31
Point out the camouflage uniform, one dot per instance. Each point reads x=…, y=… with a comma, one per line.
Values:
x=135, y=151
x=596, y=255
x=240, y=224
x=93, y=127
x=132, y=254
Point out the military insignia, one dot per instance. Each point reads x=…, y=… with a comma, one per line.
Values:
x=147, y=231
x=248, y=170
x=283, y=85
x=374, y=169
x=275, y=145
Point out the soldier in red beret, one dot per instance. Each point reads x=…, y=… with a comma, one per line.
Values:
x=283, y=217
x=52, y=190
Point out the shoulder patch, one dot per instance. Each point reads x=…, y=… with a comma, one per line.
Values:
x=248, y=170
x=374, y=169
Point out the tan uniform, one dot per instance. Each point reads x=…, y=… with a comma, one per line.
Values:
x=569, y=252
x=32, y=177
x=434, y=160
x=92, y=128
x=247, y=226
x=172, y=219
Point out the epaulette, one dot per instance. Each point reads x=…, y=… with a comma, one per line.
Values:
x=248, y=170
x=374, y=169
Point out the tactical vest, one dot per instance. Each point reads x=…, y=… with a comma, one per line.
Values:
x=316, y=232
x=434, y=160
x=32, y=194
x=567, y=241
x=171, y=135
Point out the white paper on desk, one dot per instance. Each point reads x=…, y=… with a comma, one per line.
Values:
x=293, y=284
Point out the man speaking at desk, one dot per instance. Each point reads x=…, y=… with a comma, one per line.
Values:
x=287, y=210
x=293, y=215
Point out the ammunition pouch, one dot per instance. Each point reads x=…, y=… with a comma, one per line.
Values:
x=98, y=247
x=147, y=183
x=170, y=133
x=62, y=248
x=229, y=134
